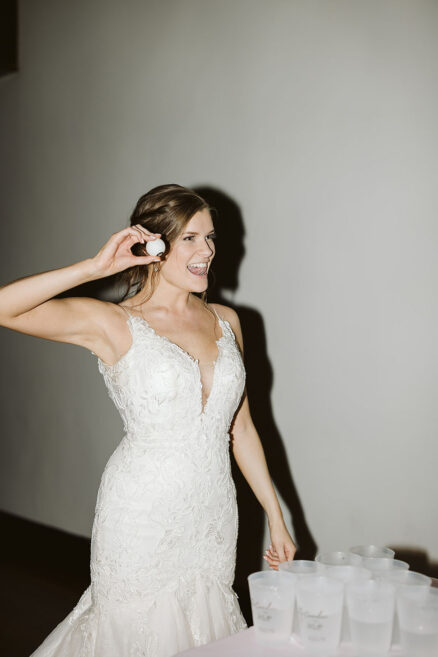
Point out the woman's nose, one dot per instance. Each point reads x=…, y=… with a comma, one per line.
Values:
x=206, y=248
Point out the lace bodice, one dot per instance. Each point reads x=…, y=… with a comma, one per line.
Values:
x=158, y=390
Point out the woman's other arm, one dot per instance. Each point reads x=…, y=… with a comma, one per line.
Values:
x=250, y=457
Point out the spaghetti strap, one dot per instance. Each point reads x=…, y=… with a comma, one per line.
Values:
x=214, y=310
x=126, y=310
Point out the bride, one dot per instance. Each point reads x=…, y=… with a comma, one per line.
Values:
x=163, y=545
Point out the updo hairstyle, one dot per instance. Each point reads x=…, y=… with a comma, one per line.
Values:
x=165, y=209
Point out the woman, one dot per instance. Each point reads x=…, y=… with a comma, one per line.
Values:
x=164, y=536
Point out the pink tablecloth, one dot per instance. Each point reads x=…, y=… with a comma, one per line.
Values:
x=247, y=644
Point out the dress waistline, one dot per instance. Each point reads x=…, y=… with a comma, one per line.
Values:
x=164, y=441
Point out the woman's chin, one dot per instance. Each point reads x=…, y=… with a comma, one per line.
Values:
x=199, y=288
x=195, y=286
x=198, y=283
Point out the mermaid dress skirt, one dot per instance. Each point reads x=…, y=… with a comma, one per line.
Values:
x=163, y=544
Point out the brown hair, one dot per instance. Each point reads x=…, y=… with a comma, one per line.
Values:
x=165, y=209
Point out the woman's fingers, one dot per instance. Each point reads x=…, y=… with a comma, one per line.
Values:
x=135, y=234
x=116, y=254
x=144, y=260
x=272, y=563
x=146, y=234
x=273, y=552
x=271, y=557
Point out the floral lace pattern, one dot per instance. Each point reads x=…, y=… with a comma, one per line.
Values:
x=164, y=536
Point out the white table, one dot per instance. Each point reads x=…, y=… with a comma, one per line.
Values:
x=247, y=644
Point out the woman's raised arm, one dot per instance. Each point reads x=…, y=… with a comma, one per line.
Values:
x=27, y=304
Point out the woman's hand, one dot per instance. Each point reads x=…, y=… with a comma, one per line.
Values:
x=116, y=254
x=282, y=547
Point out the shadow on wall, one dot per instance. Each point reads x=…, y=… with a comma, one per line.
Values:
x=229, y=255
x=417, y=558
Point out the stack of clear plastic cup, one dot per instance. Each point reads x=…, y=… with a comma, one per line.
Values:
x=299, y=568
x=346, y=575
x=364, y=595
x=403, y=579
x=371, y=607
x=418, y=619
x=320, y=604
x=372, y=551
x=272, y=603
x=339, y=559
x=383, y=567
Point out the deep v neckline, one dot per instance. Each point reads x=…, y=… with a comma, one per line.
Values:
x=191, y=358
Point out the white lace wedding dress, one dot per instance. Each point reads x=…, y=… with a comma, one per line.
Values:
x=163, y=543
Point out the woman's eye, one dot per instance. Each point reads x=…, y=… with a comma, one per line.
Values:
x=190, y=237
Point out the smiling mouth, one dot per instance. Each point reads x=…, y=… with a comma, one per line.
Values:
x=198, y=269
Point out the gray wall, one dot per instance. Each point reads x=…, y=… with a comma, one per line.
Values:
x=319, y=120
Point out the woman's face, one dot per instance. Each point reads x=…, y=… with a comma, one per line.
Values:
x=188, y=261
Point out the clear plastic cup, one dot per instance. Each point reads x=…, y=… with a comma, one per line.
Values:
x=272, y=603
x=346, y=574
x=401, y=578
x=338, y=559
x=372, y=551
x=383, y=566
x=320, y=603
x=371, y=612
x=418, y=617
x=299, y=567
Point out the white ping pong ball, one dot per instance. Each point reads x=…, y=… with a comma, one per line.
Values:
x=155, y=247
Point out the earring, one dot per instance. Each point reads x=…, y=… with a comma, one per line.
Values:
x=156, y=268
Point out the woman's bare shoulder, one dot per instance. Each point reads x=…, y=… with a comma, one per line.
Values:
x=225, y=312
x=230, y=315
